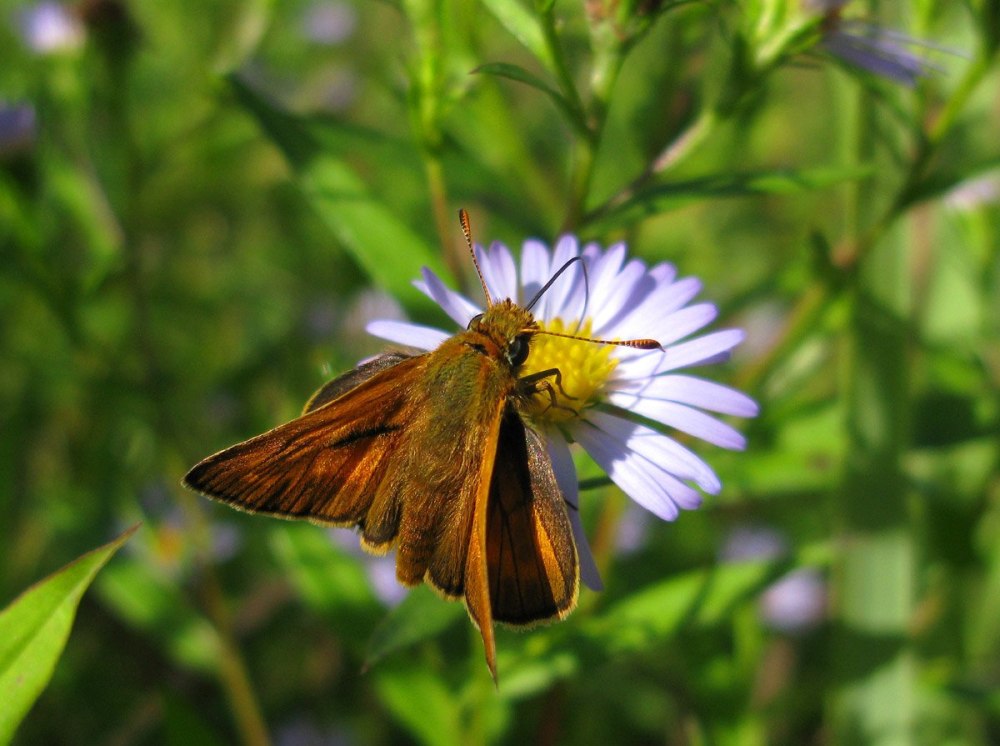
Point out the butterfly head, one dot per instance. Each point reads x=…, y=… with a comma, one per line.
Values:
x=509, y=326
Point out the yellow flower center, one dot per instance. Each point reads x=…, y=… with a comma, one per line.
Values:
x=584, y=368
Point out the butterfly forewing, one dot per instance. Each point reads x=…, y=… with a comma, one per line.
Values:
x=531, y=557
x=325, y=465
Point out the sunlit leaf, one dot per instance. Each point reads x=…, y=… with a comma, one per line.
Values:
x=701, y=597
x=421, y=702
x=421, y=615
x=523, y=26
x=34, y=629
x=388, y=250
x=330, y=580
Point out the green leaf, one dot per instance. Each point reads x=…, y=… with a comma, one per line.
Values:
x=155, y=604
x=518, y=73
x=34, y=629
x=523, y=26
x=623, y=212
x=422, y=703
x=702, y=597
x=388, y=251
x=329, y=579
x=421, y=615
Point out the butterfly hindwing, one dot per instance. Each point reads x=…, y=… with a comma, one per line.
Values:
x=325, y=465
x=531, y=556
x=353, y=378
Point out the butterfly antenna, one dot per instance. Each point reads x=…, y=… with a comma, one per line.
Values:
x=555, y=277
x=638, y=344
x=463, y=218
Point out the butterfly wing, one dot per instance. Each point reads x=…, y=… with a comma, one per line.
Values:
x=326, y=465
x=531, y=557
x=434, y=497
x=353, y=378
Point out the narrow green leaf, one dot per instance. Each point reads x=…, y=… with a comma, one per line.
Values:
x=518, y=73
x=387, y=249
x=523, y=26
x=34, y=629
x=663, y=197
x=421, y=702
x=421, y=615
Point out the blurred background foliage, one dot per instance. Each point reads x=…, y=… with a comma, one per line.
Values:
x=202, y=203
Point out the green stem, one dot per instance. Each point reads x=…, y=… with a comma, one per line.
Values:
x=232, y=672
x=563, y=77
x=445, y=221
x=608, y=57
x=873, y=702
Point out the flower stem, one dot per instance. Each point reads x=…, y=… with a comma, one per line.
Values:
x=232, y=672
x=874, y=576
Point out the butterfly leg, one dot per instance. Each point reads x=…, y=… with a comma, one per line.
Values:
x=536, y=384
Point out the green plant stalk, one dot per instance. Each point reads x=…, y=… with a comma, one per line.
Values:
x=608, y=58
x=232, y=672
x=874, y=585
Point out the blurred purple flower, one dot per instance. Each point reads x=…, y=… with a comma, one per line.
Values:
x=975, y=192
x=18, y=128
x=870, y=47
x=380, y=569
x=753, y=542
x=792, y=604
x=329, y=23
x=795, y=603
x=49, y=28
x=633, y=528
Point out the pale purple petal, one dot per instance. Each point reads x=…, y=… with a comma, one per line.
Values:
x=535, y=268
x=691, y=390
x=684, y=418
x=611, y=321
x=602, y=269
x=565, y=471
x=662, y=300
x=880, y=56
x=634, y=475
x=552, y=304
x=499, y=271
x=668, y=329
x=645, y=463
x=697, y=351
x=405, y=333
x=456, y=305
x=618, y=296
x=664, y=452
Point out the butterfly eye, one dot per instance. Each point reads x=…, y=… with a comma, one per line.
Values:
x=474, y=321
x=517, y=353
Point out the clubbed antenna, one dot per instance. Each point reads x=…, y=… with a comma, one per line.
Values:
x=638, y=344
x=463, y=218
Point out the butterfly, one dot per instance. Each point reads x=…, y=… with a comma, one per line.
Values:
x=433, y=455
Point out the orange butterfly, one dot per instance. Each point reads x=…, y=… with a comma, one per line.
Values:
x=431, y=454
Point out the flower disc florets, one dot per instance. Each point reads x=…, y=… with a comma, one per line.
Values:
x=584, y=369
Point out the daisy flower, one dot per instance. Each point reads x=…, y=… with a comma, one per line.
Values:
x=616, y=402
